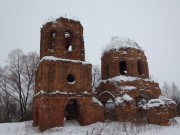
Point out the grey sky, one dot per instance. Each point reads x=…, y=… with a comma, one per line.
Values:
x=153, y=24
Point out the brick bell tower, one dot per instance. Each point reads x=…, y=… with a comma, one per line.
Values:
x=63, y=79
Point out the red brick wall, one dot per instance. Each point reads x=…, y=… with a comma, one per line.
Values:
x=52, y=75
x=158, y=115
x=59, y=27
x=132, y=57
x=126, y=111
x=141, y=85
x=49, y=110
x=172, y=110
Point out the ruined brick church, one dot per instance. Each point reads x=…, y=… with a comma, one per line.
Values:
x=63, y=83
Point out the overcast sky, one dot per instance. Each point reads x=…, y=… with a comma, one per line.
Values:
x=153, y=24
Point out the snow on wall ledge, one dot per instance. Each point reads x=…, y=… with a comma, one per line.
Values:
x=155, y=103
x=120, y=42
x=120, y=100
x=52, y=58
x=123, y=78
x=42, y=92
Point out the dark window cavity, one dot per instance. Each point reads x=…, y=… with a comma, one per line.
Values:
x=68, y=40
x=67, y=34
x=52, y=40
x=123, y=68
x=70, y=79
x=69, y=48
x=140, y=68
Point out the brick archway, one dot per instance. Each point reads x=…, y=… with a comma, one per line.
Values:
x=107, y=99
x=105, y=96
x=141, y=102
x=144, y=95
x=71, y=109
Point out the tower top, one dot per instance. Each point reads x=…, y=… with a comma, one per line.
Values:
x=117, y=43
x=62, y=38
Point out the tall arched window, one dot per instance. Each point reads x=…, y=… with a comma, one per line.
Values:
x=140, y=68
x=52, y=40
x=123, y=68
x=68, y=37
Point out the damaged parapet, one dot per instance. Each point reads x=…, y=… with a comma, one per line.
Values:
x=125, y=71
x=63, y=79
x=62, y=38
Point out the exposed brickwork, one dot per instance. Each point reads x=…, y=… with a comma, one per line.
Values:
x=49, y=110
x=126, y=111
x=131, y=56
x=63, y=83
x=141, y=87
x=52, y=75
x=63, y=80
x=59, y=47
x=172, y=110
x=132, y=63
x=158, y=115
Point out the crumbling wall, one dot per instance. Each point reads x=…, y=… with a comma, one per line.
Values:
x=125, y=110
x=136, y=63
x=49, y=110
x=158, y=115
x=141, y=86
x=53, y=75
x=56, y=42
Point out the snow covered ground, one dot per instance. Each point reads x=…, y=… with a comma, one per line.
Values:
x=106, y=128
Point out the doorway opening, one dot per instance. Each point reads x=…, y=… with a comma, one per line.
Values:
x=71, y=110
x=107, y=99
x=141, y=103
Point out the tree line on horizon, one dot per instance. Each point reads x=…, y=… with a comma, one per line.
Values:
x=17, y=81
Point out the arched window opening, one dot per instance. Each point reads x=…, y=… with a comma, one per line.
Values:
x=69, y=48
x=71, y=110
x=140, y=68
x=52, y=40
x=68, y=39
x=71, y=79
x=107, y=99
x=122, y=68
x=67, y=34
x=107, y=71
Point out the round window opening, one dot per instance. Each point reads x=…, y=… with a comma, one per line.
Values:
x=71, y=79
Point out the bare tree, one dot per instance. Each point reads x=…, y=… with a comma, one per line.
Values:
x=17, y=78
x=96, y=76
x=175, y=93
x=166, y=90
x=172, y=91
